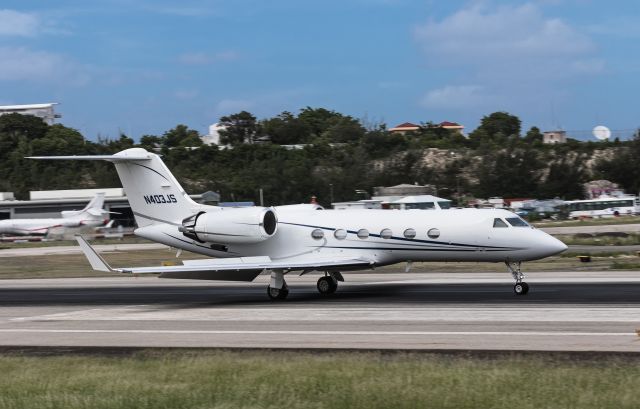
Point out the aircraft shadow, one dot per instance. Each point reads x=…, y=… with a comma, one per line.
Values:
x=379, y=294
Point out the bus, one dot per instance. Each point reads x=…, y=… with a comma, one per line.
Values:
x=603, y=206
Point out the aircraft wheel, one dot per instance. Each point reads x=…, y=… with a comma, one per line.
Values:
x=521, y=288
x=327, y=285
x=277, y=293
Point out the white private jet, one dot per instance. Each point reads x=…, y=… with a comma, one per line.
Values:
x=305, y=238
x=92, y=215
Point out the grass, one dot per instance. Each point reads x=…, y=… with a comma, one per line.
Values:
x=278, y=379
x=32, y=244
x=625, y=265
x=589, y=222
x=612, y=239
x=76, y=265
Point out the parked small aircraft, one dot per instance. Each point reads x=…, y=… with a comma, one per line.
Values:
x=92, y=216
x=306, y=238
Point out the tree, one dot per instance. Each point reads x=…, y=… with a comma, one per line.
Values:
x=343, y=130
x=623, y=167
x=239, y=128
x=380, y=143
x=512, y=172
x=565, y=179
x=15, y=128
x=286, y=129
x=318, y=120
x=120, y=144
x=29, y=126
x=181, y=135
x=59, y=140
x=533, y=135
x=501, y=122
x=150, y=142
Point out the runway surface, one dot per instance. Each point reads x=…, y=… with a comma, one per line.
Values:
x=569, y=311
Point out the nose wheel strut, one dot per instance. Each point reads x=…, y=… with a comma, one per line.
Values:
x=520, y=288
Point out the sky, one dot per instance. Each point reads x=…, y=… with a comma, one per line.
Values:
x=142, y=67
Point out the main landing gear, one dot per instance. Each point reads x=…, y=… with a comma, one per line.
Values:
x=329, y=283
x=277, y=289
x=520, y=288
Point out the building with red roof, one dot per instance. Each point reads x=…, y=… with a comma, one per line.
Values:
x=404, y=128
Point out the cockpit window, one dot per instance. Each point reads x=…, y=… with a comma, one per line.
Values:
x=499, y=223
x=517, y=222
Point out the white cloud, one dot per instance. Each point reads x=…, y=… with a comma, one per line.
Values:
x=15, y=23
x=512, y=40
x=202, y=58
x=23, y=64
x=457, y=97
x=513, y=56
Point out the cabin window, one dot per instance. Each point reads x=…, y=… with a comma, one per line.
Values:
x=386, y=233
x=340, y=234
x=422, y=206
x=433, y=233
x=410, y=233
x=499, y=223
x=517, y=222
x=317, y=234
x=363, y=233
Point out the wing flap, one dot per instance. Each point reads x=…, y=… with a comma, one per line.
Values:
x=231, y=269
x=247, y=264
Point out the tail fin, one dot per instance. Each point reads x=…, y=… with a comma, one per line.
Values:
x=94, y=208
x=153, y=192
x=96, y=203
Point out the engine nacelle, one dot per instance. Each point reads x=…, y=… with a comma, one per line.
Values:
x=231, y=225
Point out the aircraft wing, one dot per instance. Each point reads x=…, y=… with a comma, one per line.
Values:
x=231, y=269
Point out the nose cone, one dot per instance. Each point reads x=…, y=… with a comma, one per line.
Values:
x=554, y=246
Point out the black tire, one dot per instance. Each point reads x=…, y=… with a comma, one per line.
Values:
x=277, y=293
x=327, y=285
x=521, y=288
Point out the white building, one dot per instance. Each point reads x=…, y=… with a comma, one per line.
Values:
x=213, y=137
x=358, y=204
x=553, y=137
x=424, y=202
x=44, y=111
x=88, y=194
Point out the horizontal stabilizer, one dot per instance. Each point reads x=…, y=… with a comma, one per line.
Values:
x=111, y=158
x=96, y=261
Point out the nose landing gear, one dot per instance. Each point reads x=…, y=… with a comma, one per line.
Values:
x=520, y=288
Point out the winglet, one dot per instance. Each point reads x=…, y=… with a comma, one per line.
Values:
x=96, y=261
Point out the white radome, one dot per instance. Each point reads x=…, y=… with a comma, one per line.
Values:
x=601, y=132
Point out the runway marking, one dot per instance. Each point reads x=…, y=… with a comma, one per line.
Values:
x=286, y=332
x=141, y=312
